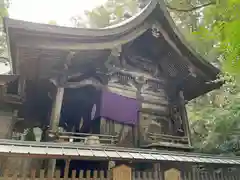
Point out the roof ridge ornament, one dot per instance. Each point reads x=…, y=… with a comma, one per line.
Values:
x=155, y=31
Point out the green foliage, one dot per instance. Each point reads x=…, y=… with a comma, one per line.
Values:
x=213, y=32
x=215, y=120
x=221, y=23
x=52, y=22
x=112, y=12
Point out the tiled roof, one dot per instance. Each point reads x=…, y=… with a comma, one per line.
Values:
x=78, y=151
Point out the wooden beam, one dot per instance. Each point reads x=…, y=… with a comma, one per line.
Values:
x=83, y=83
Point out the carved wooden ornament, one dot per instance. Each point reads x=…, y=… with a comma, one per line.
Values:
x=122, y=172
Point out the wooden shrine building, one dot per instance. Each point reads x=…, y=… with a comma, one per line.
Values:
x=106, y=97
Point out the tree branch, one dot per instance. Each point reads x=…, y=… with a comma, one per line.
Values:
x=191, y=9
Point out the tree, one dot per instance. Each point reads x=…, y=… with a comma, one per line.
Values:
x=210, y=27
x=211, y=126
x=112, y=12
x=187, y=14
x=220, y=24
x=215, y=120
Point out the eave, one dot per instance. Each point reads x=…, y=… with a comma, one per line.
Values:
x=80, y=151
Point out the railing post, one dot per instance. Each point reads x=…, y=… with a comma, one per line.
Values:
x=66, y=169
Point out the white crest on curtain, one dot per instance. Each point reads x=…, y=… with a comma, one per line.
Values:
x=93, y=113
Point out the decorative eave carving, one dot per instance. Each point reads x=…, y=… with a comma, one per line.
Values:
x=123, y=84
x=146, y=67
x=93, y=81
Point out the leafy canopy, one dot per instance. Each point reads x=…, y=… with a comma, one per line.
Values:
x=220, y=24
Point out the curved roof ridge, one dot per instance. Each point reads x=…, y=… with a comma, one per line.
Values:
x=119, y=28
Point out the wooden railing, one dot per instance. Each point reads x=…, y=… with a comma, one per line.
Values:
x=43, y=175
x=109, y=175
x=81, y=137
x=168, y=138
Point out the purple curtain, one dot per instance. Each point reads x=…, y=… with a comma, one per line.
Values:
x=119, y=108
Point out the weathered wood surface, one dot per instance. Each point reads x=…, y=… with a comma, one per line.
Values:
x=56, y=110
x=119, y=173
x=42, y=175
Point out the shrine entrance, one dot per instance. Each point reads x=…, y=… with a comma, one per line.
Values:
x=79, y=110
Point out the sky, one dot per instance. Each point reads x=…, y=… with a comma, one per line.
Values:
x=43, y=11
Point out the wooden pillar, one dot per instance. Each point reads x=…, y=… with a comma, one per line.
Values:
x=111, y=127
x=12, y=124
x=54, y=121
x=185, y=117
x=22, y=77
x=56, y=109
x=21, y=86
x=137, y=127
